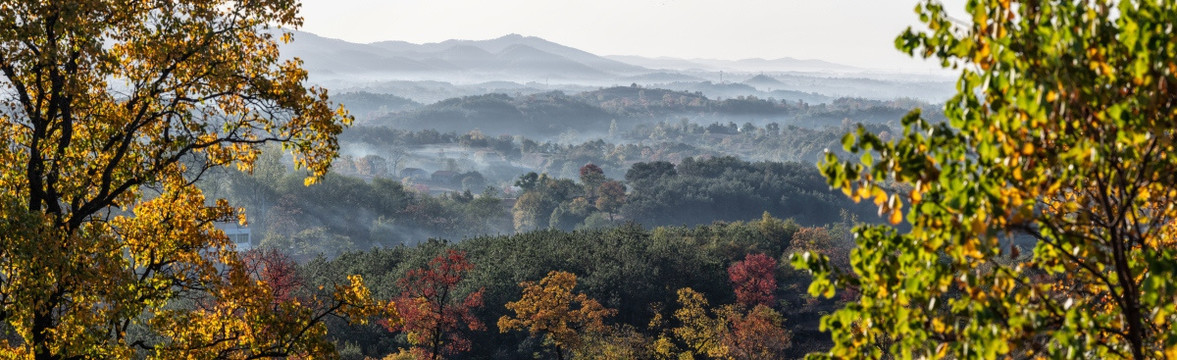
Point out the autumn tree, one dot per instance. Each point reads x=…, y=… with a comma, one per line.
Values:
x=552, y=309
x=431, y=309
x=1062, y=134
x=725, y=332
x=276, y=270
x=610, y=197
x=618, y=342
x=699, y=334
x=754, y=280
x=111, y=111
x=755, y=334
x=591, y=177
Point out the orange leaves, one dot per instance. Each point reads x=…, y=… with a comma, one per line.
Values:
x=982, y=56
x=896, y=217
x=916, y=195
x=552, y=309
x=757, y=334
x=890, y=206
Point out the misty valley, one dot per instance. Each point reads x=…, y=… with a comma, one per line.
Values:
x=637, y=181
x=224, y=180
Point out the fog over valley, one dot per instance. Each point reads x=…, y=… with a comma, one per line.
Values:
x=438, y=125
x=516, y=63
x=588, y=180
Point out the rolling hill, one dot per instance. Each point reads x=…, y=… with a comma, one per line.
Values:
x=512, y=57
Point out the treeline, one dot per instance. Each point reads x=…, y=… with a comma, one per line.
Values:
x=728, y=189
x=553, y=113
x=689, y=193
x=769, y=142
x=730, y=280
x=544, y=114
x=345, y=213
x=671, y=141
x=366, y=104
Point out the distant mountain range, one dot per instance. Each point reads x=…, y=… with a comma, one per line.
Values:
x=516, y=64
x=511, y=58
x=740, y=66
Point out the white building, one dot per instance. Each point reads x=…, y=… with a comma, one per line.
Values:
x=238, y=234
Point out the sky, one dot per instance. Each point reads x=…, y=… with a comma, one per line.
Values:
x=859, y=33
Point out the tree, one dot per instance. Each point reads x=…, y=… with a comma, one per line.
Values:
x=727, y=332
x=552, y=309
x=592, y=176
x=700, y=333
x=111, y=111
x=473, y=181
x=754, y=280
x=649, y=171
x=820, y=240
x=431, y=310
x=757, y=334
x=610, y=197
x=528, y=181
x=528, y=211
x=277, y=270
x=372, y=165
x=569, y=214
x=1061, y=135
x=620, y=342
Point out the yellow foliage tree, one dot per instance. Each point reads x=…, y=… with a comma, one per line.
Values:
x=702, y=334
x=729, y=332
x=111, y=111
x=620, y=342
x=551, y=308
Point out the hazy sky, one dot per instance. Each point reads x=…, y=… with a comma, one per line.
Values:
x=852, y=32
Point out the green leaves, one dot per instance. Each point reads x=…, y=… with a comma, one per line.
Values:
x=1059, y=138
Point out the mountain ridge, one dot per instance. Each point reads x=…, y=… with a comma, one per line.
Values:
x=512, y=57
x=746, y=65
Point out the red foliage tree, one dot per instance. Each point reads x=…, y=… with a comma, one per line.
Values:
x=611, y=197
x=277, y=270
x=754, y=280
x=592, y=176
x=432, y=314
x=591, y=170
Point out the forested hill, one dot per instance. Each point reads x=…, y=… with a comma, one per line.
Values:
x=552, y=113
x=727, y=189
x=545, y=114
x=632, y=270
x=345, y=213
